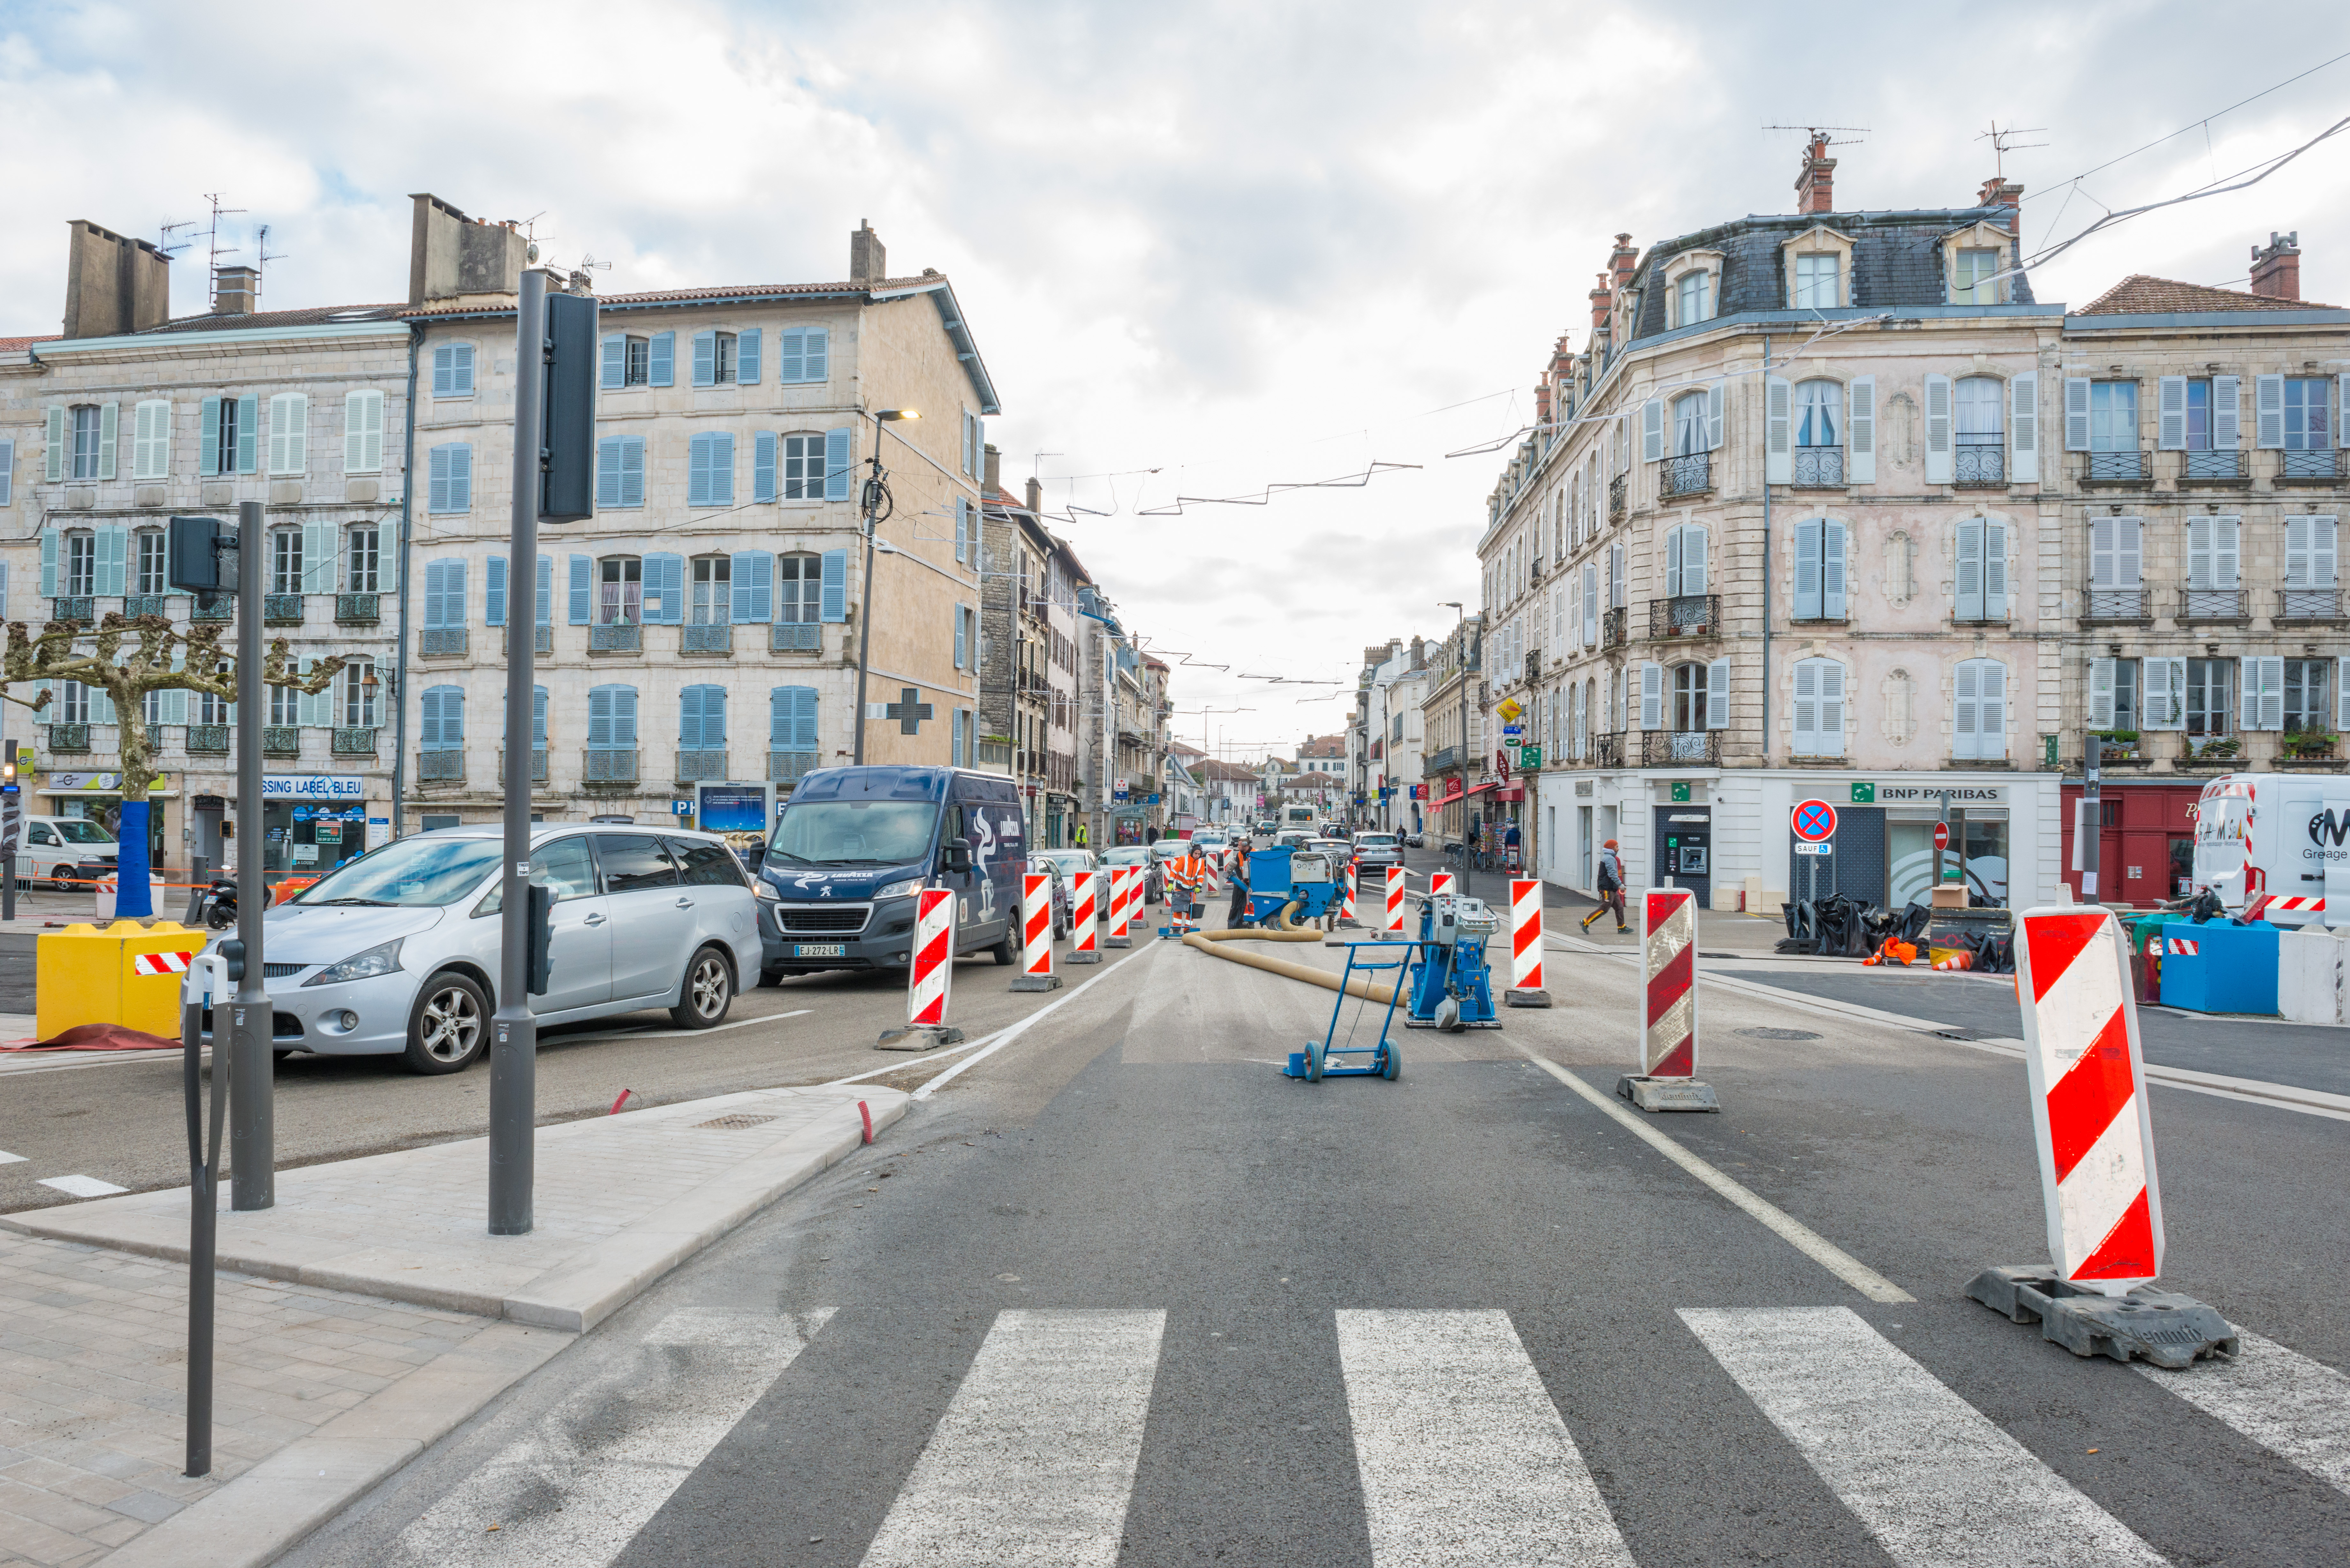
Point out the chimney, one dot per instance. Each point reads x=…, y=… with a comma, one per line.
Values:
x=1815, y=186
x=993, y=469
x=869, y=263
x=1601, y=298
x=1035, y=497
x=1419, y=653
x=236, y=290
x=1998, y=192
x=114, y=284
x=2276, y=268
x=1542, y=402
x=453, y=257
x=1625, y=261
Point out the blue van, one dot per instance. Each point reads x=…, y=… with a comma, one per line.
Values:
x=852, y=847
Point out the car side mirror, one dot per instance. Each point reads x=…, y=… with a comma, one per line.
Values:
x=954, y=855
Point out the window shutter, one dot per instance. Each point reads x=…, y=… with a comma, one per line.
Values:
x=746, y=357
x=1693, y=576
x=2342, y=410
x=962, y=636
x=599, y=718
x=1994, y=567
x=2342, y=693
x=763, y=466
x=1969, y=577
x=1860, y=430
x=1962, y=712
x=2296, y=552
x=248, y=431
x=2226, y=552
x=1652, y=696
x=1831, y=729
x=1807, y=570
x=664, y=589
x=321, y=567
x=838, y=456
x=1991, y=713
x=1713, y=400
x=608, y=471
x=2271, y=705
x=1652, y=431
x=660, y=359
x=1832, y=564
x=109, y=412
x=543, y=610
x=722, y=467
x=50, y=562
x=174, y=705
x=2199, y=552
x=1673, y=563
x=2227, y=412
x=362, y=433
x=2103, y=562
x=1717, y=695
x=150, y=449
x=616, y=360
x=632, y=471
x=53, y=453
x=1590, y=603
x=2268, y=411
x=688, y=718
x=2164, y=700
x=1615, y=577
x=705, y=361
x=833, y=600
x=456, y=594
x=2024, y=428
x=1937, y=430
x=2076, y=413
x=624, y=717
x=754, y=587
x=698, y=469
x=2101, y=693
x=494, y=593
x=2129, y=553
x=101, y=706
x=289, y=415
x=1778, y=460
x=208, y=451
x=582, y=589
x=1808, y=704
x=2322, y=554
x=112, y=544
x=2170, y=424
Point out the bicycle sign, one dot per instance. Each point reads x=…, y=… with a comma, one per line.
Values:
x=1814, y=822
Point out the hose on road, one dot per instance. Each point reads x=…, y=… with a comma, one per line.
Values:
x=1206, y=941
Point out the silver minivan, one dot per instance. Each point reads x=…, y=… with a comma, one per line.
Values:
x=396, y=953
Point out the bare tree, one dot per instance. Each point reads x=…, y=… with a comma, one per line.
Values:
x=127, y=658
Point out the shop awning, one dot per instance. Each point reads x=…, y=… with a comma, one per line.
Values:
x=1488, y=783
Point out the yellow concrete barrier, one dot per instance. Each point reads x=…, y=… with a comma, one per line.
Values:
x=85, y=975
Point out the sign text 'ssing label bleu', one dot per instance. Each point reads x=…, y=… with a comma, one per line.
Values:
x=313, y=787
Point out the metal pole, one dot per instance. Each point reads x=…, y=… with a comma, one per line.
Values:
x=203, y=1215
x=2091, y=824
x=514, y=1031
x=865, y=597
x=253, y=1134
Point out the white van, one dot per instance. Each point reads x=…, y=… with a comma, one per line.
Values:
x=2286, y=836
x=53, y=846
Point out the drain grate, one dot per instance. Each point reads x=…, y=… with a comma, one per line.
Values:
x=1776, y=1033
x=735, y=1121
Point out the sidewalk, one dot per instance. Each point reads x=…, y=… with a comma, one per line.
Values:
x=371, y=1315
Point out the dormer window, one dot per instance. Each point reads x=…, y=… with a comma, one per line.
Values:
x=1817, y=269
x=1815, y=282
x=1972, y=260
x=1693, y=298
x=1971, y=275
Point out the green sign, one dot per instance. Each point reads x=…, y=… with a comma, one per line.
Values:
x=2048, y=747
x=1529, y=756
x=1680, y=793
x=1864, y=794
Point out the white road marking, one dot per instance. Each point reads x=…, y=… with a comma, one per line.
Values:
x=1463, y=1458
x=7, y=1158
x=574, y=1491
x=1926, y=1473
x=2292, y=1405
x=82, y=1186
x=1797, y=1234
x=1035, y=1460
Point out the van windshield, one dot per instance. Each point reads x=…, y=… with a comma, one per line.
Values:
x=82, y=830
x=854, y=832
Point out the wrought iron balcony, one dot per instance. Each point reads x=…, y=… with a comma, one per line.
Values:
x=1685, y=615
x=281, y=740
x=1662, y=748
x=2214, y=605
x=606, y=767
x=73, y=606
x=135, y=605
x=1439, y=762
x=2309, y=604
x=358, y=609
x=790, y=767
x=2115, y=604
x=795, y=637
x=2115, y=468
x=281, y=610
x=537, y=764
x=1607, y=750
x=2214, y=468
x=1612, y=632
x=1615, y=499
x=210, y=740
x=70, y=737
x=1980, y=465
x=2322, y=465
x=441, y=641
x=1689, y=474
x=707, y=639
x=621, y=637
x=354, y=740
x=1819, y=468
x=216, y=604
x=541, y=639
x=441, y=765
x=699, y=766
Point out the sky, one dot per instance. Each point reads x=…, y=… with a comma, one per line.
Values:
x=1205, y=248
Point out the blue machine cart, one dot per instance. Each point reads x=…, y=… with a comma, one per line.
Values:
x=1384, y=1060
x=1278, y=876
x=1451, y=989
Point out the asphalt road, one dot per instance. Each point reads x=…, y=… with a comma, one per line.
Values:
x=1122, y=1293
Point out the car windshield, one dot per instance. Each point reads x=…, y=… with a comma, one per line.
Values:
x=1066, y=859
x=1377, y=841
x=80, y=830
x=854, y=832
x=1126, y=857
x=419, y=872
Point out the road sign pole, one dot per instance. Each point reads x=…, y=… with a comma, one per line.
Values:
x=252, y=1112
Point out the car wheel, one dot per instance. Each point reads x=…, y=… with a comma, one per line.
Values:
x=449, y=1027
x=708, y=994
x=1003, y=951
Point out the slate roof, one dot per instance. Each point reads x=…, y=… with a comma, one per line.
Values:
x=314, y=316
x=2138, y=295
x=692, y=296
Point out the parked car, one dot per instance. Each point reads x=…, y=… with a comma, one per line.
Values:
x=1139, y=854
x=397, y=953
x=1374, y=852
x=63, y=850
x=1292, y=837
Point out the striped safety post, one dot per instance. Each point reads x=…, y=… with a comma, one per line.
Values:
x=1440, y=882
x=1666, y=1080
x=161, y=963
x=1525, y=946
x=931, y=976
x=1394, y=920
x=1123, y=886
x=2304, y=906
x=1085, y=922
x=1036, y=935
x=1346, y=908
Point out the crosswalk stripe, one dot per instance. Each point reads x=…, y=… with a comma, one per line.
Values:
x=2297, y=1408
x=1464, y=1460
x=1035, y=1457
x=570, y=1495
x=1924, y=1472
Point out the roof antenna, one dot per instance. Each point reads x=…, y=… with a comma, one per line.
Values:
x=213, y=250
x=1819, y=133
x=263, y=257
x=2000, y=146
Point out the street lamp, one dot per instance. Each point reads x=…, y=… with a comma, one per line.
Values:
x=877, y=507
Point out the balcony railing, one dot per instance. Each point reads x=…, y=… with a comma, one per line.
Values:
x=618, y=637
x=2214, y=605
x=795, y=637
x=1685, y=615
x=137, y=605
x=1689, y=474
x=2115, y=604
x=1615, y=499
x=2319, y=466
x=281, y=610
x=2309, y=604
x=1437, y=762
x=210, y=739
x=2214, y=468
x=1979, y=465
x=1607, y=750
x=1612, y=631
x=354, y=740
x=442, y=640
x=70, y=737
x=1661, y=748
x=216, y=604
x=708, y=639
x=2115, y=468
x=606, y=766
x=1533, y=665
x=699, y=766
x=541, y=639
x=790, y=767
x=537, y=764
x=441, y=765
x=992, y=754
x=358, y=609
x=73, y=606
x=281, y=740
x=1819, y=467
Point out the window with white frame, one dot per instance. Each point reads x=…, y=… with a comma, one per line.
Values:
x=363, y=558
x=799, y=587
x=1980, y=400
x=1819, y=708
x=2114, y=694
x=2210, y=686
x=73, y=702
x=285, y=561
x=1816, y=282
x=151, y=571
x=713, y=590
x=80, y=564
x=452, y=371
x=1693, y=297
x=621, y=579
x=2309, y=696
x=804, y=467
x=88, y=428
x=284, y=706
x=1979, y=710
x=2113, y=416
x=1819, y=413
x=1690, y=420
x=1971, y=271
x=356, y=689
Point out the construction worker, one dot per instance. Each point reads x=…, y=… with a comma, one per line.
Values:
x=1611, y=887
x=1195, y=880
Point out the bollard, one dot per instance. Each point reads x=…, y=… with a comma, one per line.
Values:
x=1125, y=892
x=1668, y=1080
x=1084, y=903
x=1525, y=946
x=930, y=977
x=127, y=974
x=1036, y=924
x=1347, y=908
x=1394, y=920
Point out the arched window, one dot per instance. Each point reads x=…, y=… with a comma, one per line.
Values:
x=1981, y=454
x=1979, y=710
x=1693, y=297
x=1689, y=424
x=1819, y=708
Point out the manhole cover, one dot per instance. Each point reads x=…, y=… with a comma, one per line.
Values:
x=1777, y=1034
x=735, y=1121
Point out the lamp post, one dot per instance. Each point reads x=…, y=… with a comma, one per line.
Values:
x=875, y=502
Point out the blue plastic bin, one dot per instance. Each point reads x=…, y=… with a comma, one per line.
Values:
x=2229, y=969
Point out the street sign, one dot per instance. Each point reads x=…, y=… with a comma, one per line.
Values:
x=1814, y=821
x=1864, y=794
x=1512, y=731
x=1815, y=849
x=1530, y=757
x=1941, y=836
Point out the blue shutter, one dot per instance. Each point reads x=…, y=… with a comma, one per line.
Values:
x=461, y=476
x=436, y=495
x=427, y=719
x=705, y=359
x=688, y=718
x=701, y=718
x=545, y=607
x=624, y=717
x=494, y=593
x=599, y=717
x=838, y=457
x=812, y=368
x=632, y=471
x=443, y=360
x=722, y=467
x=538, y=715
x=615, y=358
x=697, y=470
x=763, y=466
x=583, y=588
x=113, y=550
x=662, y=368
x=664, y=580
x=833, y=604
x=791, y=718
x=456, y=592
x=208, y=433
x=248, y=428
x=962, y=636
x=608, y=470
x=754, y=572
x=746, y=357
x=49, y=548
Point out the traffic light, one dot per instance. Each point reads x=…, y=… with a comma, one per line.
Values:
x=568, y=443
x=193, y=548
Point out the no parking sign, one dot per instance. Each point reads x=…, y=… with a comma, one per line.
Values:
x=1814, y=822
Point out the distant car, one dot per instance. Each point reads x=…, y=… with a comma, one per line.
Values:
x=1415, y=840
x=1265, y=827
x=64, y=851
x=1138, y=854
x=1374, y=852
x=1293, y=838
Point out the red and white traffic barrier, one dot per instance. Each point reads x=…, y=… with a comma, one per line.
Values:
x=1125, y=896
x=2303, y=908
x=2185, y=947
x=1394, y=920
x=1036, y=935
x=1667, y=1056
x=1347, y=908
x=161, y=963
x=931, y=975
x=1085, y=922
x=2089, y=1111
x=1440, y=882
x=1525, y=946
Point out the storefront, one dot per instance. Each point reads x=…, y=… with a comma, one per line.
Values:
x=98, y=796
x=312, y=823
x=2146, y=845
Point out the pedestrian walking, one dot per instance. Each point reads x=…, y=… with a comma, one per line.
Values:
x=1611, y=887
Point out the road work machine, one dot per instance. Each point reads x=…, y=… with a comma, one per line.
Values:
x=1451, y=989
x=1280, y=877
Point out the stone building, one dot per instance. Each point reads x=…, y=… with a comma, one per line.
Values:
x=1454, y=772
x=1029, y=697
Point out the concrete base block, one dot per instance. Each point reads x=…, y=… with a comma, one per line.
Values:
x=1036, y=982
x=1083, y=958
x=2166, y=1328
x=1525, y=999
x=1118, y=942
x=1668, y=1094
x=919, y=1037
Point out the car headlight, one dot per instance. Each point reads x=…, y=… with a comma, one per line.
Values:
x=901, y=888
x=767, y=890
x=383, y=959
